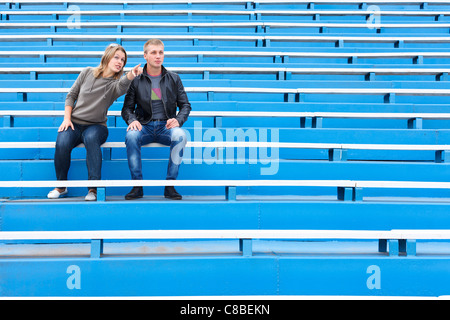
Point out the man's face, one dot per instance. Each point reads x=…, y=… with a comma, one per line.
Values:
x=154, y=55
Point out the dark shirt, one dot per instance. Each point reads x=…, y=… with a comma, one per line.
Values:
x=158, y=112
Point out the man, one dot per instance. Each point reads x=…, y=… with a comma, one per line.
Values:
x=149, y=109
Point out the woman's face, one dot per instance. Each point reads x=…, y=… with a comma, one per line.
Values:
x=117, y=62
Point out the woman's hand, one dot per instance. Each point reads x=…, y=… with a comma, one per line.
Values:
x=137, y=70
x=65, y=125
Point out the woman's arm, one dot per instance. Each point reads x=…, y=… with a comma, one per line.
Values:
x=71, y=98
x=67, y=122
x=121, y=86
x=74, y=91
x=137, y=70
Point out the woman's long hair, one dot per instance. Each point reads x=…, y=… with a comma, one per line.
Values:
x=109, y=53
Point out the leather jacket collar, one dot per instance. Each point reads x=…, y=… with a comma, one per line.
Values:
x=163, y=71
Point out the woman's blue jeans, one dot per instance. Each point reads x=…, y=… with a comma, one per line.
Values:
x=92, y=136
x=155, y=131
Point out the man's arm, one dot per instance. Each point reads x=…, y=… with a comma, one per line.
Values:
x=128, y=108
x=183, y=103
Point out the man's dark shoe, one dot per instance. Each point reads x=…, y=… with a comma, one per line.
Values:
x=171, y=193
x=135, y=193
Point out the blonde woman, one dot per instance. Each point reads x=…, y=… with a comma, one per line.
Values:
x=85, y=115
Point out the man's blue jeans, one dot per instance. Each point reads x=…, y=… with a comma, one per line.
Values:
x=92, y=136
x=155, y=131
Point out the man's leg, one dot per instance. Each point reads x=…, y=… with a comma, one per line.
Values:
x=176, y=139
x=134, y=139
x=177, y=145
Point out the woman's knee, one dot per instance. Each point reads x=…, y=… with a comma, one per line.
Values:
x=65, y=141
x=95, y=136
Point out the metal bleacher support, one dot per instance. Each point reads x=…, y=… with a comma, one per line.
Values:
x=346, y=190
x=97, y=237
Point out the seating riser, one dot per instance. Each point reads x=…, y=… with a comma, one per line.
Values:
x=260, y=123
x=293, y=84
x=324, y=17
x=251, y=43
x=204, y=214
x=254, y=97
x=224, y=276
x=352, y=155
x=197, y=170
x=344, y=136
x=271, y=76
x=335, y=106
x=240, y=31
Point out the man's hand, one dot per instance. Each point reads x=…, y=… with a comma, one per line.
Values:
x=172, y=123
x=135, y=125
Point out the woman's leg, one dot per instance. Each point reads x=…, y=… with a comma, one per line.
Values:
x=93, y=136
x=65, y=142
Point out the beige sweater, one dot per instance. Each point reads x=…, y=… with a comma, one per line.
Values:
x=91, y=97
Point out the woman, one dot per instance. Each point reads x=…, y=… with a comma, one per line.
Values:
x=94, y=91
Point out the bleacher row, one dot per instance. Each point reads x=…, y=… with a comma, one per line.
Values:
x=317, y=162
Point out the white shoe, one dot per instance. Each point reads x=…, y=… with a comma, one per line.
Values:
x=91, y=196
x=55, y=194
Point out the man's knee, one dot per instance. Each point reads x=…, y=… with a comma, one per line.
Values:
x=133, y=137
x=178, y=135
x=179, y=140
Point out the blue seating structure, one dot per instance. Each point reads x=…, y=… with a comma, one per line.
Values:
x=317, y=162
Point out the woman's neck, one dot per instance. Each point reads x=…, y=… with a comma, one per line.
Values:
x=107, y=74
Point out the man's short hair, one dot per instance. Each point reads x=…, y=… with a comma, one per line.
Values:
x=153, y=42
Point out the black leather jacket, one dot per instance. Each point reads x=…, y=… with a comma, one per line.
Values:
x=137, y=104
